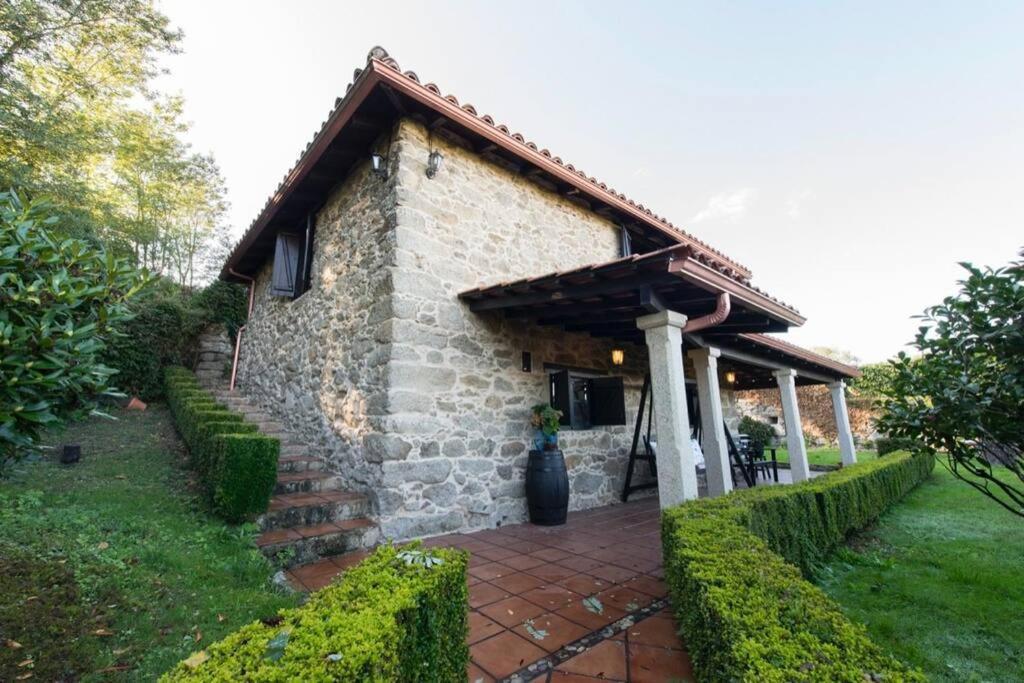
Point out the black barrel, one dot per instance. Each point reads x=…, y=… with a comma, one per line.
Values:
x=547, y=487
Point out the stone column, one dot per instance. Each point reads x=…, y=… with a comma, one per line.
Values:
x=799, y=468
x=846, y=450
x=677, y=476
x=716, y=450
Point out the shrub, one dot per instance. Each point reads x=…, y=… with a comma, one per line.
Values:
x=760, y=433
x=60, y=302
x=242, y=474
x=237, y=466
x=746, y=613
x=397, y=616
x=164, y=331
x=887, y=445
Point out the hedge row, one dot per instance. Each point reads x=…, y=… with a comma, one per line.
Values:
x=749, y=615
x=237, y=465
x=399, y=615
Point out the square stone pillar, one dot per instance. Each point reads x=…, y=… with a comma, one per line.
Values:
x=677, y=475
x=799, y=468
x=846, y=449
x=716, y=450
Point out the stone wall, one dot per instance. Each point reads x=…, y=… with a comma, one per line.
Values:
x=458, y=428
x=816, y=413
x=319, y=362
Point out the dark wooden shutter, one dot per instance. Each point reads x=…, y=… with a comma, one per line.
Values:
x=625, y=242
x=286, y=265
x=607, y=401
x=560, y=399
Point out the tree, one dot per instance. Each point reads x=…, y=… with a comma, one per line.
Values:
x=962, y=399
x=837, y=354
x=874, y=380
x=60, y=301
x=80, y=124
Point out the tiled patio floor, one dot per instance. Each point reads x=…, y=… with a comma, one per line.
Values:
x=533, y=591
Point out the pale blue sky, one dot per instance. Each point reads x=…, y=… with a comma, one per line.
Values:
x=850, y=154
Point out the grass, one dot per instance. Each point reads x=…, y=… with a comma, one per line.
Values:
x=824, y=456
x=940, y=582
x=112, y=569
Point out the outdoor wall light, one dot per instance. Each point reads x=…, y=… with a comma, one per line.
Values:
x=377, y=163
x=434, y=163
x=730, y=377
x=618, y=356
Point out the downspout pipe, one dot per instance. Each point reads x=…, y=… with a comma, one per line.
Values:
x=722, y=307
x=248, y=314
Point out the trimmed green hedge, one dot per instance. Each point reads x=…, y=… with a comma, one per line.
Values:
x=237, y=465
x=390, y=618
x=749, y=615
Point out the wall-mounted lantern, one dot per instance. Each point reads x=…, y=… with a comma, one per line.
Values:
x=730, y=377
x=434, y=163
x=377, y=164
x=618, y=356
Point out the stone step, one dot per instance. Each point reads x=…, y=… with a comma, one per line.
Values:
x=308, y=509
x=306, y=482
x=290, y=449
x=298, y=463
x=302, y=545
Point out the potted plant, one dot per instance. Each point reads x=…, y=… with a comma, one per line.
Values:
x=547, y=481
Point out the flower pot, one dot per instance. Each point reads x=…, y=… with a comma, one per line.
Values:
x=71, y=454
x=547, y=487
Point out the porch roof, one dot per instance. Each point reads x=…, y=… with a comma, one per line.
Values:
x=754, y=357
x=605, y=299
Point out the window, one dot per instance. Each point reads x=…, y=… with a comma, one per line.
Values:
x=625, y=242
x=293, y=257
x=587, y=400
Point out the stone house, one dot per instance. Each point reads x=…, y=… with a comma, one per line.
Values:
x=423, y=276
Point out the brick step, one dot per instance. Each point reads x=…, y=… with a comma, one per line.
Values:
x=316, y=575
x=306, y=482
x=302, y=545
x=308, y=509
x=298, y=463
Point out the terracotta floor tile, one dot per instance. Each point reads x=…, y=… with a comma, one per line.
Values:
x=613, y=574
x=579, y=563
x=566, y=677
x=318, y=574
x=557, y=631
x=504, y=654
x=649, y=585
x=656, y=665
x=350, y=559
x=497, y=554
x=484, y=593
x=472, y=580
x=491, y=570
x=518, y=583
x=585, y=584
x=525, y=546
x=551, y=572
x=551, y=597
x=474, y=674
x=551, y=554
x=481, y=627
x=606, y=660
x=511, y=611
x=522, y=562
x=579, y=614
x=625, y=599
x=656, y=631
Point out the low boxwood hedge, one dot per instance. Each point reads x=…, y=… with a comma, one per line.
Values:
x=237, y=465
x=749, y=615
x=400, y=615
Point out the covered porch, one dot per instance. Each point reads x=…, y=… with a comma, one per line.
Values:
x=704, y=328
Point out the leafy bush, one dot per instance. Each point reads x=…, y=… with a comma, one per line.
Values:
x=760, y=433
x=887, y=445
x=960, y=399
x=165, y=329
x=238, y=466
x=59, y=304
x=746, y=613
x=400, y=615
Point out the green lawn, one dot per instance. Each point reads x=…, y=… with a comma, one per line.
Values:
x=940, y=582
x=112, y=569
x=824, y=456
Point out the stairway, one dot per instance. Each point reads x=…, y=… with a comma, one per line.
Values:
x=310, y=517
